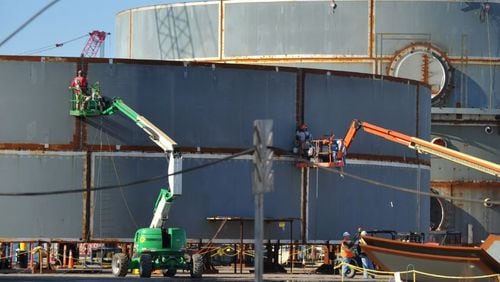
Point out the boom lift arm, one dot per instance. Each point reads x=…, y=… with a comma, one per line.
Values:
x=331, y=152
x=166, y=196
x=421, y=146
x=155, y=134
x=157, y=247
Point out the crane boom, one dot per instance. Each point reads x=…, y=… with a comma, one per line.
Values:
x=157, y=247
x=96, y=39
x=166, y=196
x=155, y=134
x=331, y=152
x=422, y=146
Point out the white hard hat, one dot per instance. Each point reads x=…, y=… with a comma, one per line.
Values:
x=363, y=233
x=346, y=234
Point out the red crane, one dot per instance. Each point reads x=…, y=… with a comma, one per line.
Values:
x=94, y=43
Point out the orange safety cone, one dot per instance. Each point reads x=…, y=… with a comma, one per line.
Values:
x=70, y=261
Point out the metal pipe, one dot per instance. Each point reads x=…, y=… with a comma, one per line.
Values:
x=304, y=203
x=290, y=257
x=242, y=254
x=64, y=263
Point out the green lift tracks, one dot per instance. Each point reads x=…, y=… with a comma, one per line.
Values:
x=155, y=247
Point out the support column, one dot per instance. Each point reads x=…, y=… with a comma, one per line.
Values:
x=87, y=173
x=263, y=178
x=304, y=203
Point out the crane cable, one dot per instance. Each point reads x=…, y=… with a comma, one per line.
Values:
x=52, y=46
x=132, y=183
x=400, y=188
x=26, y=23
x=122, y=194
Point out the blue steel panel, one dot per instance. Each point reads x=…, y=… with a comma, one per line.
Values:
x=473, y=86
x=424, y=113
x=181, y=32
x=225, y=190
x=286, y=28
x=338, y=204
x=331, y=103
x=31, y=90
x=41, y=216
x=119, y=212
x=470, y=140
x=198, y=106
x=221, y=190
x=445, y=21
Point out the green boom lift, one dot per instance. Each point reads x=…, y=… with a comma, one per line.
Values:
x=156, y=247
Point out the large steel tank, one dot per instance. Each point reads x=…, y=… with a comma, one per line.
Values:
x=453, y=46
x=208, y=109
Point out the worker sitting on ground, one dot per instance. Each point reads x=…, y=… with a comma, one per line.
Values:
x=346, y=252
x=79, y=89
x=303, y=139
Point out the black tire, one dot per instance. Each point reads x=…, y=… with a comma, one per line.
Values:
x=145, y=266
x=169, y=272
x=197, y=266
x=119, y=265
x=351, y=272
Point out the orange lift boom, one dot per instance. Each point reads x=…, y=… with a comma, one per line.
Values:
x=423, y=146
x=417, y=144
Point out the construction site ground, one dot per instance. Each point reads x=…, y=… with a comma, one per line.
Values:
x=225, y=274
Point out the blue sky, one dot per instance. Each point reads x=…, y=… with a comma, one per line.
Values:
x=66, y=20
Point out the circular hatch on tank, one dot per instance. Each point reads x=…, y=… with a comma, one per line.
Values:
x=437, y=213
x=426, y=63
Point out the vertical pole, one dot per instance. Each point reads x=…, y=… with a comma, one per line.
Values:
x=290, y=256
x=304, y=204
x=235, y=259
x=262, y=183
x=87, y=197
x=65, y=249
x=259, y=224
x=470, y=236
x=241, y=247
x=11, y=254
x=31, y=256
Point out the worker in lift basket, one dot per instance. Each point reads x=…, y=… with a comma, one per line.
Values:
x=303, y=140
x=346, y=252
x=79, y=86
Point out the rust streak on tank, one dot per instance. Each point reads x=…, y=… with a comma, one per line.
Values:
x=185, y=149
x=36, y=147
x=465, y=184
x=371, y=28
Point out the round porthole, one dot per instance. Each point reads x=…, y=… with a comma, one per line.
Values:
x=487, y=203
x=439, y=141
x=426, y=63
